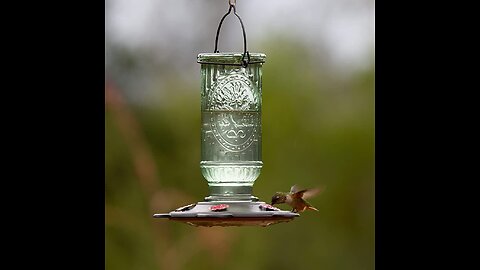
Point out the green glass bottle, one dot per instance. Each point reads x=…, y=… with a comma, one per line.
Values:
x=231, y=135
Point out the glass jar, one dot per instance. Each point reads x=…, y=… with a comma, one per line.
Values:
x=231, y=133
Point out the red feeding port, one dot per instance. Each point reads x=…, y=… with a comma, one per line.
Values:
x=219, y=207
x=268, y=207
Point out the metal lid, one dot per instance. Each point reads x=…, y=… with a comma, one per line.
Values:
x=231, y=58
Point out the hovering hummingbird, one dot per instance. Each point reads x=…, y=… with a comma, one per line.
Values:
x=296, y=198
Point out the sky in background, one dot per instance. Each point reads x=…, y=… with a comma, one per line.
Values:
x=172, y=33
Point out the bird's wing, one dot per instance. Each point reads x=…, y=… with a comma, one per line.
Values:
x=294, y=189
x=308, y=193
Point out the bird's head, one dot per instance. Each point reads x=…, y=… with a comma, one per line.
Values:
x=279, y=198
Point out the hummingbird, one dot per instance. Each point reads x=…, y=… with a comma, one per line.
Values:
x=296, y=198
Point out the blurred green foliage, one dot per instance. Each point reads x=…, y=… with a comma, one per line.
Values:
x=318, y=129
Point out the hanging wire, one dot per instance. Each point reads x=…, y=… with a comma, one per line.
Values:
x=246, y=54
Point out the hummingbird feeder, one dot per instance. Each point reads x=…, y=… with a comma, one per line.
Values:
x=231, y=141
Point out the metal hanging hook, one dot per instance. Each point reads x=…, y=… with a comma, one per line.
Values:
x=246, y=54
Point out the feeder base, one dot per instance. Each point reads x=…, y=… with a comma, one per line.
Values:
x=229, y=213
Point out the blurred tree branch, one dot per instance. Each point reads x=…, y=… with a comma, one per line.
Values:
x=142, y=157
x=169, y=254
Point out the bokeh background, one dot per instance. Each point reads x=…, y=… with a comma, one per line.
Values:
x=318, y=129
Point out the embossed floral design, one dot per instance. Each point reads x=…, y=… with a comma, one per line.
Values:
x=233, y=93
